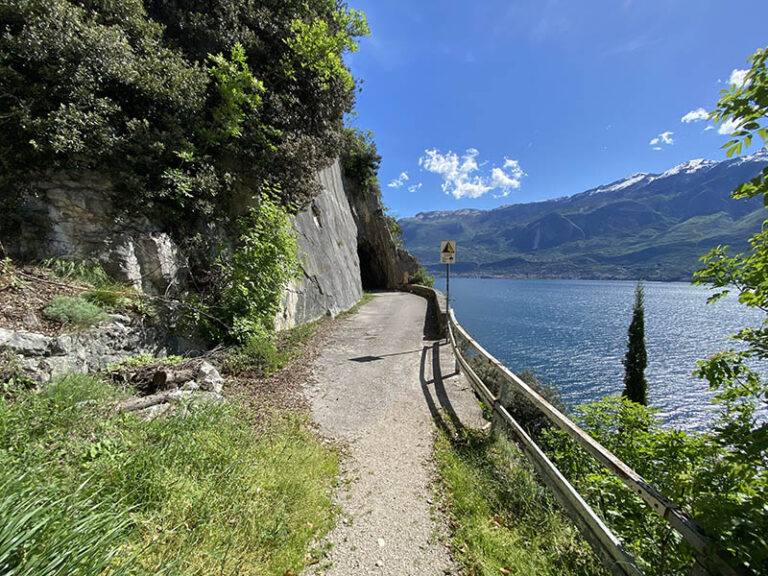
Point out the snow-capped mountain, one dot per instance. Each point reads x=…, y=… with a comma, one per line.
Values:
x=644, y=225
x=690, y=167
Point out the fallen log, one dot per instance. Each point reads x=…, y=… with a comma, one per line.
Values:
x=165, y=377
x=135, y=404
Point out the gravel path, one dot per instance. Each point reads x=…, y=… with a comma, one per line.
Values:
x=378, y=386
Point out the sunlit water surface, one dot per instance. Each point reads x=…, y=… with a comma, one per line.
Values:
x=574, y=333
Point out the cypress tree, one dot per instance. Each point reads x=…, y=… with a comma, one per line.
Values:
x=635, y=386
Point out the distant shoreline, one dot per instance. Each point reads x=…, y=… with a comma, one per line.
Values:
x=627, y=278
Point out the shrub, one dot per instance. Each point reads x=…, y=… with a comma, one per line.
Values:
x=265, y=260
x=361, y=159
x=668, y=459
x=71, y=310
x=111, y=299
x=421, y=276
x=257, y=354
x=525, y=412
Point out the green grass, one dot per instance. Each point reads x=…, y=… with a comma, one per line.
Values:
x=504, y=521
x=105, y=292
x=367, y=297
x=267, y=353
x=74, y=311
x=55, y=535
x=86, y=271
x=206, y=491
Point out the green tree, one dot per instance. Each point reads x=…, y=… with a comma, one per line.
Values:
x=191, y=107
x=198, y=111
x=665, y=457
x=295, y=48
x=733, y=493
x=636, y=359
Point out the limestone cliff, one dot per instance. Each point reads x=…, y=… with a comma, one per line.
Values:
x=383, y=264
x=72, y=216
x=345, y=243
x=328, y=239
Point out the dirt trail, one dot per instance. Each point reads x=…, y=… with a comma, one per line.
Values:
x=378, y=386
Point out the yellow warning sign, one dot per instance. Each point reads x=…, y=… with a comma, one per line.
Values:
x=448, y=252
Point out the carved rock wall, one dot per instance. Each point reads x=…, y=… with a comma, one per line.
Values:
x=383, y=264
x=327, y=237
x=73, y=217
x=344, y=243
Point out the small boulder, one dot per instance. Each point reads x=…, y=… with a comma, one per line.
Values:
x=25, y=343
x=209, y=378
x=191, y=386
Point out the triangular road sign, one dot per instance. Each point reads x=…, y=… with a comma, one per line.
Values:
x=448, y=252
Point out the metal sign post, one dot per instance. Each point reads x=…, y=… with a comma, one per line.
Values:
x=448, y=257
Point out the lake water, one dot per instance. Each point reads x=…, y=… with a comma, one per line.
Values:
x=574, y=333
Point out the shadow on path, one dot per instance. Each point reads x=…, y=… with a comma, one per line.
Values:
x=434, y=391
x=362, y=359
x=431, y=325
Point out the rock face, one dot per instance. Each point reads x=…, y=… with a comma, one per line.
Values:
x=328, y=238
x=343, y=237
x=383, y=264
x=44, y=357
x=73, y=217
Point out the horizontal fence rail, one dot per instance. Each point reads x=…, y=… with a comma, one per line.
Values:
x=597, y=534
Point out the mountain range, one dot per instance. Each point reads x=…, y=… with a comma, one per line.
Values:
x=650, y=226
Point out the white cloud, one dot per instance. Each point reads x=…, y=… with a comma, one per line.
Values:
x=695, y=116
x=415, y=187
x=737, y=77
x=508, y=163
x=663, y=138
x=708, y=128
x=508, y=178
x=728, y=127
x=399, y=181
x=463, y=177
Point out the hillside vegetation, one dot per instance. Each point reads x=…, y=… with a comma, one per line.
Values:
x=210, y=118
x=192, y=107
x=653, y=226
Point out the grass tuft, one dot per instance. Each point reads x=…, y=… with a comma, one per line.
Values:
x=204, y=491
x=86, y=271
x=74, y=311
x=504, y=521
x=105, y=293
x=367, y=297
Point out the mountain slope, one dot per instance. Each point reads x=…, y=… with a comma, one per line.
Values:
x=652, y=226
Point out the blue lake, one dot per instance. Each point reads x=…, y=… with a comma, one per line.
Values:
x=573, y=333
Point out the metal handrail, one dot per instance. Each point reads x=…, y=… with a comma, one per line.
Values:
x=596, y=533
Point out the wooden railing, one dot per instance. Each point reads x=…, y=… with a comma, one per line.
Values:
x=600, y=537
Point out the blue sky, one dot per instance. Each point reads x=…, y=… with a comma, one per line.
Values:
x=488, y=102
